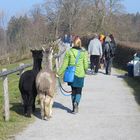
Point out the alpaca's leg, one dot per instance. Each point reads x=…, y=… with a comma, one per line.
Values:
x=24, y=97
x=51, y=106
x=33, y=106
x=47, y=107
x=29, y=111
x=34, y=98
x=25, y=109
x=42, y=108
x=30, y=103
x=42, y=97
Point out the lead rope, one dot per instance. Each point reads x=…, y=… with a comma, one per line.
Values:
x=63, y=91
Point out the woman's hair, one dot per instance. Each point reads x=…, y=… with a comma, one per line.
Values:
x=101, y=37
x=77, y=41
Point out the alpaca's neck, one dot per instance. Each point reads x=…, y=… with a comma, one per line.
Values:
x=48, y=62
x=37, y=65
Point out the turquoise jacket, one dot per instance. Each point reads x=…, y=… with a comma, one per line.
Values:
x=69, y=60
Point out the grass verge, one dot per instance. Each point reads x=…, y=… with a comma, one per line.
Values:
x=17, y=121
x=133, y=82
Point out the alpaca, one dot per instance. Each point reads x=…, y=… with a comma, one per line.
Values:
x=27, y=83
x=45, y=84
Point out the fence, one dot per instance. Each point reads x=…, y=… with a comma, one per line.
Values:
x=4, y=74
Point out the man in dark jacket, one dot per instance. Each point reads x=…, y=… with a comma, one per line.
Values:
x=108, y=53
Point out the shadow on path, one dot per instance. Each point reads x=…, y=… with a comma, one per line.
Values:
x=120, y=76
x=61, y=106
x=18, y=108
x=55, y=105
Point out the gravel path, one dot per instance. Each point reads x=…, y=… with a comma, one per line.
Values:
x=108, y=111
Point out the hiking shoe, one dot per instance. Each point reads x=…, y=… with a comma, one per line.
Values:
x=75, y=110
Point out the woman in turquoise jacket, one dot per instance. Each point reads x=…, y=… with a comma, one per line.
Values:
x=81, y=68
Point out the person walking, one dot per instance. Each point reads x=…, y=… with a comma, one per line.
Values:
x=108, y=53
x=81, y=67
x=95, y=52
x=67, y=41
x=101, y=38
x=102, y=60
x=113, y=43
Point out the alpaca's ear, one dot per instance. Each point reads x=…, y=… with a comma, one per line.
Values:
x=51, y=49
x=43, y=49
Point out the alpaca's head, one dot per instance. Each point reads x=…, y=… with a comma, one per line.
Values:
x=37, y=59
x=48, y=56
x=37, y=54
x=48, y=51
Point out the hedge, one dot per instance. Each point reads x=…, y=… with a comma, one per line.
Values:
x=125, y=52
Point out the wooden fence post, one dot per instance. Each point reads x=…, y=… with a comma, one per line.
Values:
x=6, y=97
x=4, y=74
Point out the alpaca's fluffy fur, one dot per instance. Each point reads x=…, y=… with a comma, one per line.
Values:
x=45, y=84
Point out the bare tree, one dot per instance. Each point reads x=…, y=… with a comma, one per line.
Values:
x=3, y=37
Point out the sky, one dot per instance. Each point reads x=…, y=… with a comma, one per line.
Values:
x=15, y=6
x=18, y=7
x=132, y=6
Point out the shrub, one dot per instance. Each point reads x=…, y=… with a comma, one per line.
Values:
x=125, y=52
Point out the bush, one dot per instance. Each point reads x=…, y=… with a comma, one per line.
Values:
x=124, y=53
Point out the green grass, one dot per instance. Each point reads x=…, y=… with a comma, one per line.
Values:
x=17, y=121
x=14, y=65
x=134, y=83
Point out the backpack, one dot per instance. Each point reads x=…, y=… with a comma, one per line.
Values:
x=113, y=48
x=109, y=49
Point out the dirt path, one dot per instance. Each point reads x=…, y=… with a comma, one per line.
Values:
x=108, y=111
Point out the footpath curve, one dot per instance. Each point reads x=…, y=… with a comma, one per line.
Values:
x=108, y=111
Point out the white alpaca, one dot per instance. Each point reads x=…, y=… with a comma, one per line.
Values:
x=45, y=84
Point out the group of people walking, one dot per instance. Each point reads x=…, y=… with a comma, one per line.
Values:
x=99, y=50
